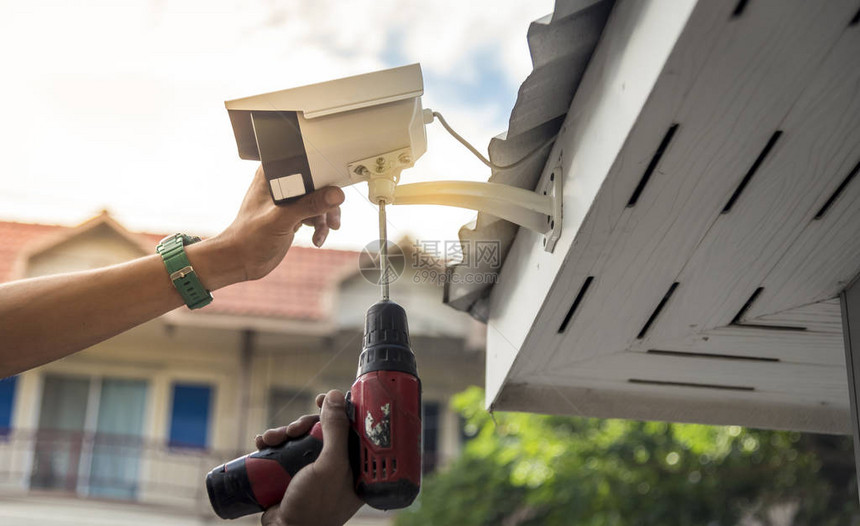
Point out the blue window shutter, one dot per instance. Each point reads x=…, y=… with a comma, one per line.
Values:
x=7, y=402
x=430, y=423
x=189, y=418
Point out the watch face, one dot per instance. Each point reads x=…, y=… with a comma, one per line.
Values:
x=186, y=240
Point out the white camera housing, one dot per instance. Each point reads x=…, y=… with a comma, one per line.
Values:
x=339, y=132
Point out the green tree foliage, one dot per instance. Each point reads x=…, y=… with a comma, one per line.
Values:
x=525, y=469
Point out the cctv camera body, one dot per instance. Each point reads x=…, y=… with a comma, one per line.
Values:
x=332, y=133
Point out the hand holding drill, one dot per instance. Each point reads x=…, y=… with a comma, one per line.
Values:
x=383, y=413
x=322, y=493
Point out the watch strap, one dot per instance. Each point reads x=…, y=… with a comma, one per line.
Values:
x=182, y=275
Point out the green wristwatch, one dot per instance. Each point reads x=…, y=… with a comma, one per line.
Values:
x=172, y=250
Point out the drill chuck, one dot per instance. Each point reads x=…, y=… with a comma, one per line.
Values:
x=386, y=345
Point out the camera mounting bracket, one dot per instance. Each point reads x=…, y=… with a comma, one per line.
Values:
x=539, y=210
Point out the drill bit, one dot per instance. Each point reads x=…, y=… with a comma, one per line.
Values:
x=383, y=252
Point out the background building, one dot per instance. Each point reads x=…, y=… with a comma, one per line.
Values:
x=133, y=424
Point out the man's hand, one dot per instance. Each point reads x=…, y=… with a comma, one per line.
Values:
x=321, y=493
x=261, y=234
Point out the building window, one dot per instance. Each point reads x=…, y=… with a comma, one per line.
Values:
x=90, y=436
x=7, y=402
x=189, y=417
x=286, y=405
x=430, y=419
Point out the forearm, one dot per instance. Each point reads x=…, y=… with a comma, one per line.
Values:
x=43, y=319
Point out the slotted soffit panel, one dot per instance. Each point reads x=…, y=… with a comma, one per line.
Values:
x=699, y=285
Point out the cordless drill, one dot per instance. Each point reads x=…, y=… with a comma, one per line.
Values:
x=384, y=409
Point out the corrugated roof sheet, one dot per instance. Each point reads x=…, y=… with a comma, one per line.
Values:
x=561, y=45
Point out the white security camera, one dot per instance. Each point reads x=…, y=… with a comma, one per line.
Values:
x=333, y=133
x=369, y=128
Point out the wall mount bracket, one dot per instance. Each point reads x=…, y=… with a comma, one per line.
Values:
x=539, y=210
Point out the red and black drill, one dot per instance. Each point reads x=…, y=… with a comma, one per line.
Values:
x=384, y=409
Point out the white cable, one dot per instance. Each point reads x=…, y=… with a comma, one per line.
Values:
x=478, y=154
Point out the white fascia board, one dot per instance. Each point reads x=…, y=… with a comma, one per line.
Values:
x=636, y=43
x=618, y=400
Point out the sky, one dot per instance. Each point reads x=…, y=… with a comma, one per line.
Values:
x=120, y=105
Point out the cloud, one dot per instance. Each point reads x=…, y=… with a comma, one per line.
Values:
x=444, y=35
